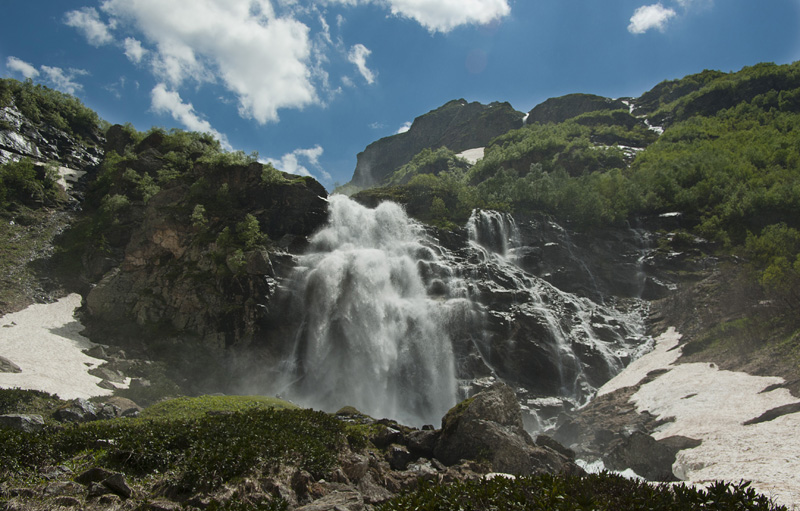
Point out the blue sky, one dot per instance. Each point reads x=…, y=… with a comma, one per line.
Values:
x=309, y=84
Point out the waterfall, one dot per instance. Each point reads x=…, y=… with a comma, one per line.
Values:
x=494, y=231
x=371, y=337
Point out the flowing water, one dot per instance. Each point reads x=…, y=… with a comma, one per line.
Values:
x=395, y=324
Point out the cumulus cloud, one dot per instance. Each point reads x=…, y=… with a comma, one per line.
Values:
x=442, y=15
x=358, y=55
x=296, y=161
x=649, y=17
x=445, y=15
x=169, y=102
x=87, y=20
x=134, y=50
x=405, y=127
x=262, y=58
x=63, y=80
x=21, y=67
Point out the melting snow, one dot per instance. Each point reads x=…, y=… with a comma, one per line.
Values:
x=712, y=405
x=472, y=155
x=44, y=340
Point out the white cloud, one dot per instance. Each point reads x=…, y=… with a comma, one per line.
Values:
x=358, y=55
x=264, y=59
x=63, y=80
x=405, y=127
x=445, y=15
x=291, y=162
x=22, y=67
x=170, y=102
x=134, y=50
x=649, y=17
x=88, y=21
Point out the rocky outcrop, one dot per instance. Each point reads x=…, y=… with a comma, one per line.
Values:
x=560, y=109
x=457, y=125
x=170, y=280
x=22, y=138
x=489, y=427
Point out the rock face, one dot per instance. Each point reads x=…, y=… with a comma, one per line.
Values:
x=41, y=142
x=556, y=110
x=489, y=426
x=457, y=125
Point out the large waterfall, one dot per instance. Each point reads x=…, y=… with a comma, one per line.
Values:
x=370, y=335
x=394, y=323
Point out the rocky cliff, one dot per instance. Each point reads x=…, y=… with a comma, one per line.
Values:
x=560, y=109
x=457, y=125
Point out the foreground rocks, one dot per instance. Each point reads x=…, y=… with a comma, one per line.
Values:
x=480, y=436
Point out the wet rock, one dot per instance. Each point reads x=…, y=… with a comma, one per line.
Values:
x=398, y=457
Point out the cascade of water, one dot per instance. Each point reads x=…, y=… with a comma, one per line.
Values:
x=494, y=231
x=370, y=336
x=574, y=323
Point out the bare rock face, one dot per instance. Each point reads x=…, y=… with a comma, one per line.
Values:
x=457, y=125
x=489, y=427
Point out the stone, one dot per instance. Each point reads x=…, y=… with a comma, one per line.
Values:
x=398, y=457
x=422, y=443
x=7, y=366
x=79, y=410
x=337, y=501
x=117, y=484
x=28, y=423
x=66, y=501
x=488, y=427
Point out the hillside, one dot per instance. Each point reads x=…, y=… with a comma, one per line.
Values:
x=548, y=265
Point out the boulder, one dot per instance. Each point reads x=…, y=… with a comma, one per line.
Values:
x=7, y=366
x=488, y=427
x=79, y=410
x=22, y=422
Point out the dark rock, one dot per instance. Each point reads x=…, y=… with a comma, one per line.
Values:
x=93, y=475
x=644, y=455
x=79, y=410
x=97, y=490
x=7, y=366
x=62, y=488
x=489, y=427
x=22, y=422
x=386, y=436
x=557, y=110
x=398, y=457
x=117, y=484
x=422, y=443
x=457, y=125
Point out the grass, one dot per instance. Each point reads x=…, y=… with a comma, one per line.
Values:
x=197, y=407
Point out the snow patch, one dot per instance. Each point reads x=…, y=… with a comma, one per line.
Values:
x=472, y=155
x=44, y=340
x=711, y=405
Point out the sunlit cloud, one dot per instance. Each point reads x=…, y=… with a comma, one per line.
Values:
x=88, y=21
x=358, y=55
x=21, y=67
x=265, y=60
x=134, y=50
x=650, y=17
x=405, y=127
x=63, y=80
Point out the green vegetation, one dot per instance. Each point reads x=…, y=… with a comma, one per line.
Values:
x=197, y=407
x=25, y=184
x=50, y=107
x=195, y=453
x=728, y=161
x=566, y=493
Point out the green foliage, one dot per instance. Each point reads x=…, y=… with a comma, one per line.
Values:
x=597, y=492
x=24, y=183
x=775, y=254
x=428, y=161
x=28, y=401
x=248, y=232
x=200, y=453
x=47, y=106
x=198, y=407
